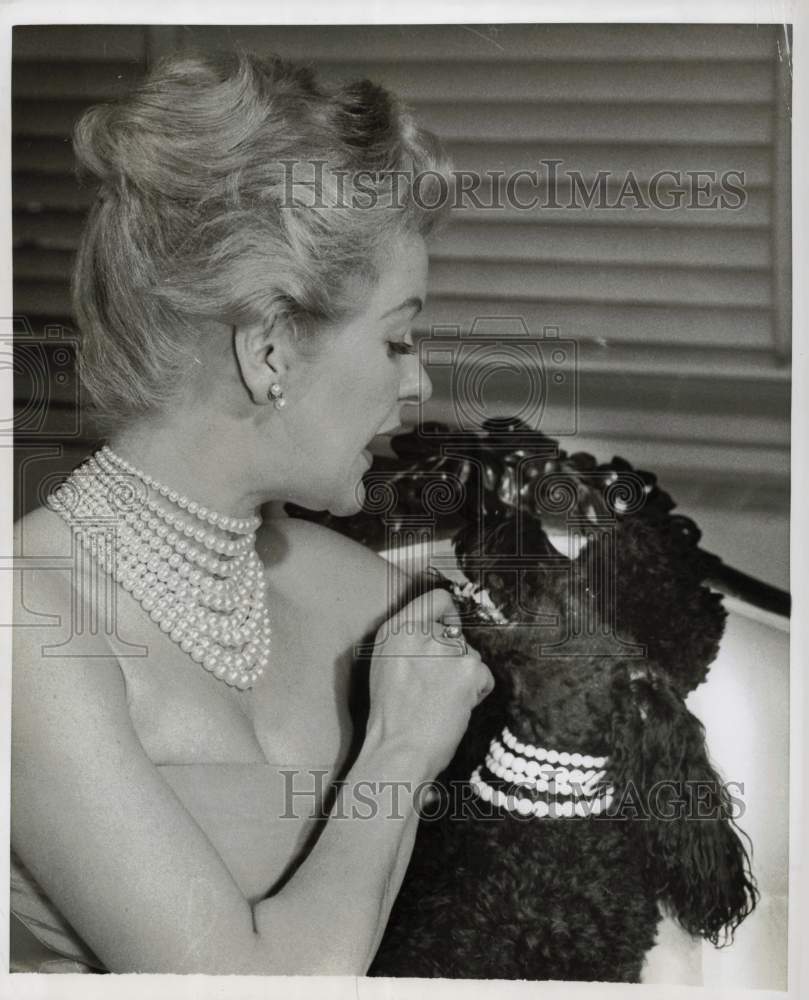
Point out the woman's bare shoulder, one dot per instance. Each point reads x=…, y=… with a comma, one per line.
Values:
x=44, y=565
x=41, y=533
x=53, y=671
x=367, y=587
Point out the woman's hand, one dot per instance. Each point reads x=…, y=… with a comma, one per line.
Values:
x=423, y=687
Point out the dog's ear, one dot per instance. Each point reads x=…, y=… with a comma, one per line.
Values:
x=664, y=780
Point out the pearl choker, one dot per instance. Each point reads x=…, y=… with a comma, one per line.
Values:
x=567, y=791
x=202, y=587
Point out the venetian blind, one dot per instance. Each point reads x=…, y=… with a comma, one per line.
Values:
x=680, y=318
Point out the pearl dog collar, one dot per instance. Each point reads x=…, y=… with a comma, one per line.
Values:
x=566, y=791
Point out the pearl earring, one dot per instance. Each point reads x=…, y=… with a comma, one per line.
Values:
x=276, y=394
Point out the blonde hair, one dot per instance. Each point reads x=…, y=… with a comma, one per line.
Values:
x=196, y=218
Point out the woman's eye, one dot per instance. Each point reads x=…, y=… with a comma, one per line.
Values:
x=401, y=347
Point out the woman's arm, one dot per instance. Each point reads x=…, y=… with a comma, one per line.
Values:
x=342, y=895
x=133, y=873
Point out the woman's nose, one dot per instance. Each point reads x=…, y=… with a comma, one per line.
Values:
x=417, y=386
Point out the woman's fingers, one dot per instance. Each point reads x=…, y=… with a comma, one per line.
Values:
x=433, y=613
x=451, y=617
x=427, y=607
x=444, y=610
x=427, y=665
x=443, y=607
x=487, y=684
x=450, y=629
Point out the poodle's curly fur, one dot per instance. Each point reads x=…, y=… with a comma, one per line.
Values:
x=598, y=655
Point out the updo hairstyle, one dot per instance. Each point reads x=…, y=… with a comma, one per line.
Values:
x=221, y=197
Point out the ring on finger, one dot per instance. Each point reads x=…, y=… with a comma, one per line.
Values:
x=452, y=632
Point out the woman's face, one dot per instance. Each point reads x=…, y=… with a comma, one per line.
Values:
x=356, y=385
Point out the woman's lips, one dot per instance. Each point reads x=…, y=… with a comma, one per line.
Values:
x=389, y=431
x=383, y=432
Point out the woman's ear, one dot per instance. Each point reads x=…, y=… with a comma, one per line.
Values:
x=262, y=355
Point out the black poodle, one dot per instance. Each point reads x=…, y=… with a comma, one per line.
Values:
x=582, y=798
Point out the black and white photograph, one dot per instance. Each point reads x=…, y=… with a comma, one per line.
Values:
x=402, y=490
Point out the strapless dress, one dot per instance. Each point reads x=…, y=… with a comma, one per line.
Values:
x=54, y=945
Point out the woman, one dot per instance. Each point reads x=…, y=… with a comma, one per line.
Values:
x=246, y=334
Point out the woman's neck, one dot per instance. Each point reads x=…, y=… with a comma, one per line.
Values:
x=194, y=459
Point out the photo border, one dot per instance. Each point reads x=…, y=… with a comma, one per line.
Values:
x=421, y=12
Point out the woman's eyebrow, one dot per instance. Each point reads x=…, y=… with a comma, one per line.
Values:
x=414, y=302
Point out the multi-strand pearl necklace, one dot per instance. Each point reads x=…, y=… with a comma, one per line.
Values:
x=201, y=585
x=567, y=791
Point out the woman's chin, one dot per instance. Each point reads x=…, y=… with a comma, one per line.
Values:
x=350, y=502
